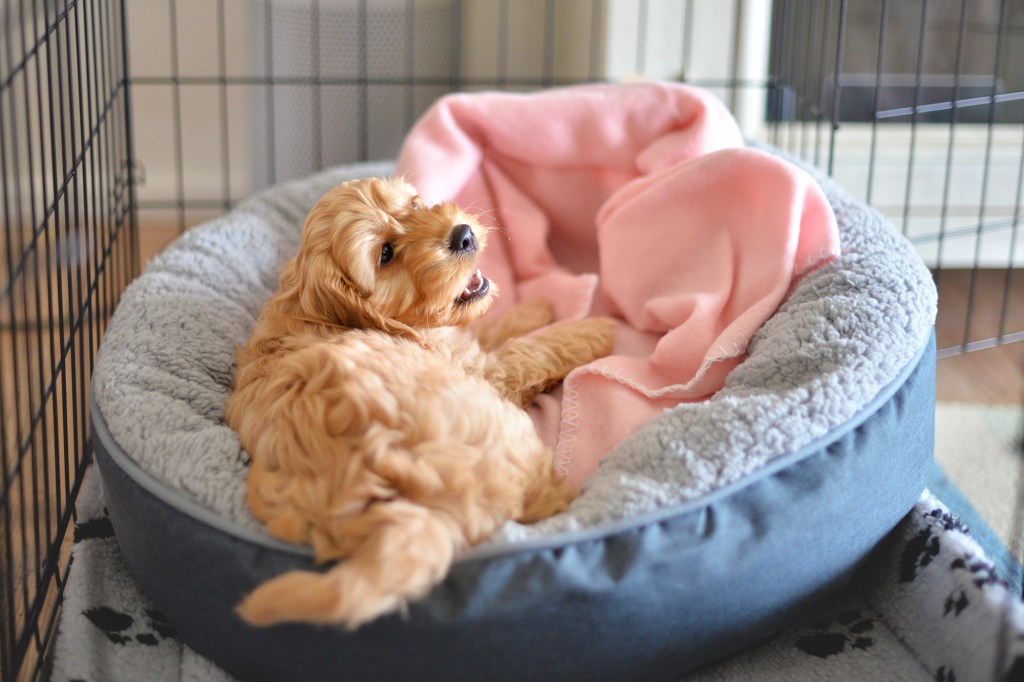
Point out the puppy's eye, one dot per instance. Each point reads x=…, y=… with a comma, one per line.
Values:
x=387, y=253
x=416, y=204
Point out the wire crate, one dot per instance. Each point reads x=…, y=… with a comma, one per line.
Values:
x=68, y=250
x=122, y=124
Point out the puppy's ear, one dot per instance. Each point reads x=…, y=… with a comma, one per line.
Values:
x=351, y=309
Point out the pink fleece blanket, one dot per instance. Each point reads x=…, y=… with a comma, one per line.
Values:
x=636, y=201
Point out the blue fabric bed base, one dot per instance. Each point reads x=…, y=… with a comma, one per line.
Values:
x=646, y=599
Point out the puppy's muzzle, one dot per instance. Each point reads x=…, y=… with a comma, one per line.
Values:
x=462, y=241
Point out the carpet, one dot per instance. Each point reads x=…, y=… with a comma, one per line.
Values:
x=979, y=475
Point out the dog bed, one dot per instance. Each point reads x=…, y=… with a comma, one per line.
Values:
x=707, y=530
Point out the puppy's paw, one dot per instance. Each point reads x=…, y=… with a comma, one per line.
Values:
x=593, y=336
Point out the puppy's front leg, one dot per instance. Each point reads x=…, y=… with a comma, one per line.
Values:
x=524, y=367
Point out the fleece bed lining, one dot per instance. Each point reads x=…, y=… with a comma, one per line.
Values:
x=846, y=331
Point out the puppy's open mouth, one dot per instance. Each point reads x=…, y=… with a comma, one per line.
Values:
x=477, y=287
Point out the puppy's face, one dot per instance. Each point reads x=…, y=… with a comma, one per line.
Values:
x=377, y=245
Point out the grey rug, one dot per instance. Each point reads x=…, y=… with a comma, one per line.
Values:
x=976, y=446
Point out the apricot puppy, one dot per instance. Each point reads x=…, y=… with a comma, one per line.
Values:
x=384, y=430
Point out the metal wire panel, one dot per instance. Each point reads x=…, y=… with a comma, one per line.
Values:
x=919, y=106
x=67, y=251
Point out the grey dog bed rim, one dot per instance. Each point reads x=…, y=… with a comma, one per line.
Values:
x=176, y=500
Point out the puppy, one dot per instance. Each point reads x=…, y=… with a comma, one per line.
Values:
x=383, y=429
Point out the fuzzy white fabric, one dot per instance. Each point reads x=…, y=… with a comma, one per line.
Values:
x=108, y=629
x=844, y=333
x=926, y=606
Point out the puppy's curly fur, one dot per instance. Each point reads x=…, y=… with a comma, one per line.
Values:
x=383, y=429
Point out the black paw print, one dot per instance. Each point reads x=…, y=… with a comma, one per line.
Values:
x=97, y=528
x=918, y=553
x=118, y=627
x=923, y=547
x=829, y=640
x=949, y=521
x=982, y=572
x=955, y=603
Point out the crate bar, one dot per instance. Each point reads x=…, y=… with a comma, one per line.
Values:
x=60, y=179
x=92, y=204
x=801, y=78
x=643, y=18
x=793, y=77
x=819, y=82
x=456, y=81
x=222, y=91
x=951, y=145
x=9, y=654
x=268, y=38
x=13, y=215
x=879, y=61
x=776, y=85
x=594, y=70
x=548, y=77
x=840, y=47
x=364, y=88
x=179, y=155
x=503, y=29
x=981, y=344
x=56, y=95
x=912, y=156
x=948, y=105
x=986, y=171
x=68, y=124
x=410, y=63
x=103, y=224
x=806, y=86
x=732, y=70
x=34, y=400
x=318, y=153
x=38, y=431
x=82, y=219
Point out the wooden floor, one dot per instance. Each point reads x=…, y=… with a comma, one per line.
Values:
x=152, y=240
x=993, y=376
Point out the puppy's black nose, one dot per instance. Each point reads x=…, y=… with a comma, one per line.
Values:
x=463, y=240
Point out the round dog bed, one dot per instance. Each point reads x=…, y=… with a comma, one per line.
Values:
x=705, y=531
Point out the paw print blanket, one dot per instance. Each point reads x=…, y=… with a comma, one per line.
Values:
x=636, y=201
